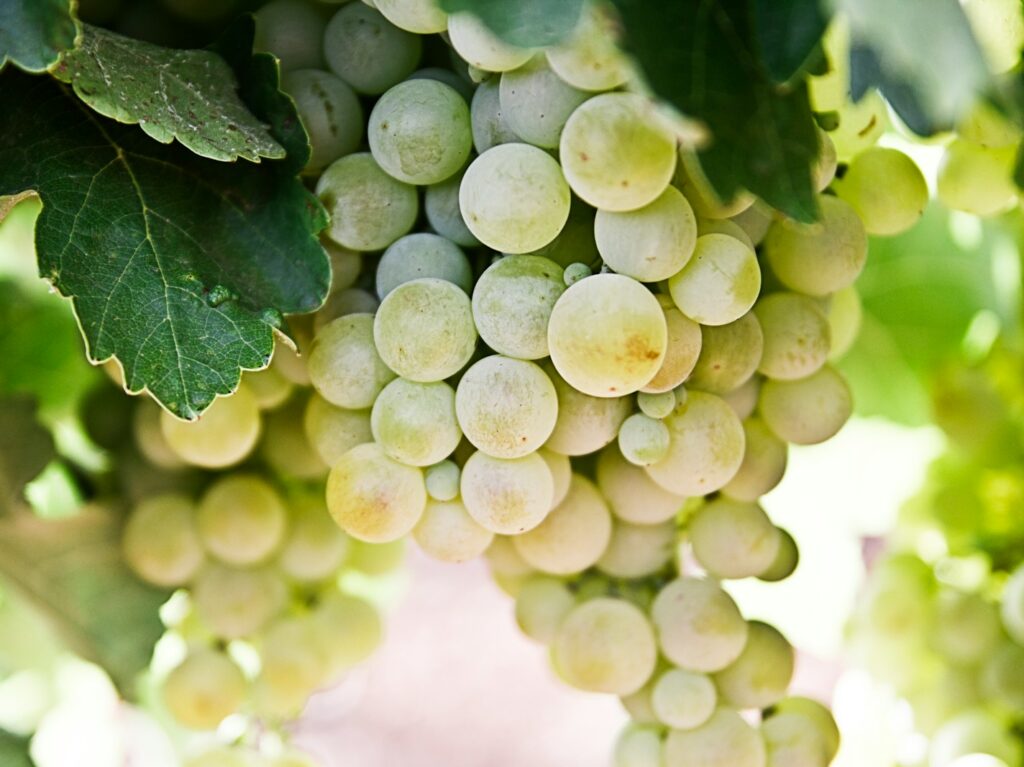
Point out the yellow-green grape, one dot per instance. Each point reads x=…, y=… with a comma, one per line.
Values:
x=160, y=541
x=975, y=731
x=809, y=410
x=643, y=440
x=639, y=747
x=706, y=449
x=755, y=221
x=204, y=689
x=541, y=605
x=447, y=532
x=743, y=400
x=733, y=539
x=241, y=519
x=786, y=559
x=823, y=172
x=286, y=449
x=293, y=663
x=441, y=205
x=422, y=255
x=342, y=304
x=423, y=17
x=344, y=364
x=977, y=179
x=1012, y=605
x=720, y=282
x=329, y=111
x=293, y=31
x=504, y=559
x=689, y=178
x=1002, y=675
x=638, y=704
x=590, y=58
x=818, y=259
x=376, y=558
x=487, y=121
x=617, y=153
x=575, y=243
x=638, y=550
x=369, y=209
x=761, y=674
x=986, y=125
x=681, y=353
x=861, y=124
x=656, y=405
x=561, y=474
x=573, y=535
x=683, y=699
x=791, y=741
x=424, y=330
x=729, y=355
x=222, y=436
x=797, y=336
x=723, y=226
x=886, y=188
x=633, y=496
x=536, y=102
x=149, y=436
x=507, y=495
x=373, y=497
x=270, y=388
x=367, y=51
x=514, y=199
x=442, y=481
x=345, y=265
x=764, y=463
x=725, y=740
x=605, y=645
x=481, y=48
x=650, y=243
x=290, y=364
x=998, y=26
x=348, y=629
x=699, y=626
x=965, y=627
x=844, y=318
x=315, y=547
x=815, y=714
x=234, y=602
x=585, y=424
x=333, y=431
x=415, y=422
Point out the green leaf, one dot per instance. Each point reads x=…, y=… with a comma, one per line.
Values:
x=179, y=267
x=702, y=56
x=33, y=33
x=171, y=94
x=14, y=750
x=788, y=32
x=25, y=447
x=527, y=23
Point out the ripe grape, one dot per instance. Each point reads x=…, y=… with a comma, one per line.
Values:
x=761, y=674
x=699, y=626
x=585, y=424
x=683, y=699
x=725, y=740
x=643, y=440
x=633, y=496
x=422, y=255
x=333, y=431
x=222, y=436
x=733, y=539
x=682, y=351
x=415, y=422
x=536, y=102
x=720, y=283
x=507, y=495
x=481, y=48
x=235, y=602
x=541, y=606
x=241, y=519
x=590, y=59
x=886, y=188
x=344, y=365
x=796, y=336
x=639, y=747
x=315, y=547
x=977, y=179
x=420, y=16
x=729, y=355
x=764, y=462
x=809, y=410
x=348, y=629
x=487, y=120
x=330, y=112
x=367, y=51
x=447, y=532
x=293, y=31
x=638, y=550
x=160, y=541
x=204, y=689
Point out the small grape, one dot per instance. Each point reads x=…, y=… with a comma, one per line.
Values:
x=574, y=273
x=683, y=699
x=656, y=405
x=643, y=440
x=442, y=481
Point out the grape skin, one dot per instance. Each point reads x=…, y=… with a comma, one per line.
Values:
x=222, y=436
x=720, y=283
x=235, y=602
x=761, y=674
x=682, y=351
x=764, y=463
x=204, y=689
x=638, y=747
x=732, y=539
x=367, y=51
x=330, y=113
x=345, y=366
x=633, y=496
x=585, y=424
x=160, y=541
x=535, y=102
x=725, y=740
x=683, y=699
x=541, y=606
x=809, y=410
x=447, y=532
x=241, y=519
x=699, y=626
x=315, y=548
x=729, y=355
x=422, y=255
x=797, y=336
x=415, y=423
x=507, y=496
x=481, y=48
x=635, y=551
x=333, y=431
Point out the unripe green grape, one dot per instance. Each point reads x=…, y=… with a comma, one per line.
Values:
x=965, y=627
x=643, y=440
x=376, y=558
x=689, y=178
x=423, y=17
x=887, y=190
x=160, y=542
x=699, y=626
x=815, y=714
x=797, y=336
x=535, y=102
x=315, y=547
x=574, y=273
x=809, y=410
x=986, y=125
x=638, y=550
x=844, y=318
x=447, y=532
x=330, y=113
x=369, y=209
x=975, y=731
x=656, y=405
x=725, y=740
x=616, y=152
x=605, y=645
x=480, y=47
x=367, y=51
x=761, y=674
x=682, y=699
x=639, y=747
x=999, y=28
x=976, y=179
x=241, y=519
x=682, y=351
x=733, y=539
x=633, y=496
x=720, y=283
x=373, y=497
x=415, y=422
x=235, y=603
x=585, y=424
x=723, y=226
x=442, y=481
x=333, y=431
x=590, y=59
x=486, y=118
x=285, y=448
x=823, y=172
x=422, y=255
x=441, y=204
x=292, y=30
x=541, y=606
x=764, y=463
x=293, y=664
x=222, y=436
x=344, y=364
x=204, y=689
x=348, y=629
x=507, y=496
x=1012, y=605
x=791, y=741
x=1002, y=675
x=861, y=124
x=729, y=355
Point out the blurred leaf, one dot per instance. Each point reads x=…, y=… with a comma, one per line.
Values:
x=527, y=23
x=788, y=31
x=25, y=447
x=14, y=751
x=33, y=33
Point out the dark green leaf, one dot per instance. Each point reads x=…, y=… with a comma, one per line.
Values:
x=33, y=33
x=702, y=57
x=179, y=267
x=527, y=23
x=788, y=32
x=25, y=447
x=13, y=750
x=866, y=71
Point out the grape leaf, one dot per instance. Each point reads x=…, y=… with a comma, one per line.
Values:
x=25, y=447
x=172, y=94
x=527, y=23
x=13, y=750
x=178, y=266
x=33, y=33
x=702, y=56
x=788, y=32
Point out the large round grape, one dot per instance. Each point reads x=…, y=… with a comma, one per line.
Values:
x=733, y=539
x=809, y=410
x=160, y=541
x=699, y=626
x=241, y=519
x=725, y=740
x=764, y=462
x=415, y=423
x=423, y=17
x=423, y=255
x=792, y=741
x=507, y=495
x=720, y=283
x=796, y=335
x=815, y=714
x=293, y=31
x=344, y=365
x=222, y=436
x=535, y=102
x=633, y=496
x=638, y=550
x=330, y=113
x=204, y=689
x=607, y=335
x=585, y=424
x=690, y=179
x=367, y=51
x=447, y=532
x=886, y=188
x=681, y=353
x=683, y=699
x=590, y=59
x=333, y=431
x=514, y=199
x=729, y=355
x=480, y=47
x=237, y=602
x=761, y=674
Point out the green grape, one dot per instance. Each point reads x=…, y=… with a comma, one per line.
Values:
x=605, y=645
x=723, y=226
x=796, y=336
x=535, y=102
x=575, y=243
x=512, y=303
x=367, y=51
x=755, y=221
x=706, y=449
x=973, y=732
x=342, y=304
x=573, y=535
x=574, y=273
x=965, y=627
x=415, y=422
x=480, y=47
x=607, y=335
x=160, y=542
x=235, y=603
x=650, y=243
x=643, y=440
x=764, y=463
x=344, y=365
x=720, y=283
x=423, y=17
x=617, y=153
x=725, y=740
x=315, y=548
x=561, y=473
x=424, y=330
x=507, y=495
x=818, y=259
x=1002, y=676
x=222, y=436
x=683, y=699
x=682, y=352
x=422, y=255
x=330, y=113
x=285, y=448
x=505, y=561
x=333, y=431
x=270, y=388
x=585, y=424
x=761, y=674
x=293, y=664
x=376, y=558
x=690, y=179
x=699, y=626
x=345, y=265
x=447, y=532
x=809, y=410
x=452, y=79
x=986, y=125
x=861, y=124
x=348, y=630
x=633, y=496
x=204, y=689
x=590, y=59
x=999, y=28
x=490, y=406
x=1012, y=605
x=729, y=355
x=887, y=190
x=293, y=31
x=639, y=706
x=733, y=539
x=786, y=559
x=241, y=519
x=514, y=199
x=656, y=405
x=823, y=171
x=639, y=747
x=743, y=400
x=369, y=209
x=816, y=715
x=442, y=481
x=638, y=550
x=488, y=122
x=290, y=364
x=791, y=741
x=977, y=179
x=844, y=318
x=441, y=204
x=373, y=497
x=541, y=606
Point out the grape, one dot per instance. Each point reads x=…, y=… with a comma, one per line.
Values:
x=423, y=17
x=1003, y=675
x=760, y=675
x=342, y=304
x=977, y=179
x=974, y=731
x=639, y=747
x=986, y=125
x=589, y=59
x=506, y=407
x=683, y=699
x=585, y=424
x=682, y=352
x=1012, y=605
x=605, y=645
x=241, y=519
x=733, y=539
x=643, y=440
x=505, y=561
x=796, y=336
x=292, y=665
x=235, y=603
x=633, y=496
x=706, y=449
x=374, y=498
x=729, y=355
x=160, y=542
x=488, y=122
x=723, y=226
x=720, y=283
x=823, y=172
x=348, y=630
x=861, y=124
x=222, y=436
x=419, y=131
x=447, y=532
x=289, y=364
x=442, y=481
x=285, y=448
x=367, y=51
x=541, y=606
x=423, y=255
x=573, y=535
x=330, y=113
x=514, y=199
x=293, y=31
x=369, y=209
x=149, y=436
x=725, y=740
x=344, y=365
x=699, y=626
x=333, y=431
x=616, y=152
x=269, y=387
x=638, y=550
x=204, y=689
x=575, y=243
x=481, y=48
x=507, y=496
x=791, y=741
x=786, y=559
x=535, y=102
x=764, y=463
x=809, y=410
x=376, y=558
x=965, y=627
x=755, y=221
x=886, y=189
x=415, y=422
x=656, y=405
x=424, y=330
x=638, y=704
x=999, y=28
x=844, y=318
x=315, y=547
x=815, y=714
x=689, y=178
x=441, y=204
